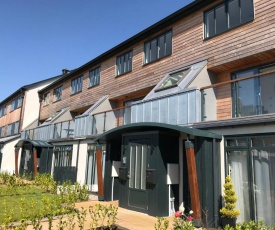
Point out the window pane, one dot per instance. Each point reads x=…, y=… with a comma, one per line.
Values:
x=238, y=170
x=125, y=64
x=143, y=167
x=138, y=168
x=234, y=13
x=168, y=43
x=264, y=185
x=267, y=90
x=174, y=79
x=147, y=52
x=154, y=50
x=130, y=61
x=132, y=166
x=161, y=46
x=118, y=72
x=209, y=24
x=247, y=95
x=247, y=10
x=221, y=19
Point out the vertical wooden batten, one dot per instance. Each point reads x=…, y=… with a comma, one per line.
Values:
x=193, y=182
x=99, y=172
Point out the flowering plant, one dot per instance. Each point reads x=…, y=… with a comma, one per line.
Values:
x=183, y=221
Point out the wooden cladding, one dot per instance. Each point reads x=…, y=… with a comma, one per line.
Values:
x=255, y=38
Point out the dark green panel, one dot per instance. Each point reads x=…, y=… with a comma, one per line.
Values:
x=45, y=160
x=1, y=155
x=208, y=173
x=168, y=153
x=65, y=173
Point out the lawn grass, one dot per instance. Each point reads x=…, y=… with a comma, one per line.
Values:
x=13, y=202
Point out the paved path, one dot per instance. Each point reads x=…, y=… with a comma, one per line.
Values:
x=128, y=220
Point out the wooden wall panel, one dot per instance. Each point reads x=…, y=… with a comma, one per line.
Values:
x=230, y=50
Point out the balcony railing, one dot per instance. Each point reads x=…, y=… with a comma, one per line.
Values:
x=249, y=96
x=178, y=109
x=51, y=131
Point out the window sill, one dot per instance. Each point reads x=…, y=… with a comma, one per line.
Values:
x=206, y=39
x=72, y=94
x=92, y=86
x=123, y=74
x=57, y=101
x=145, y=64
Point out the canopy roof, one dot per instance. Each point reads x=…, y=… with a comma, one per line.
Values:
x=147, y=126
x=35, y=143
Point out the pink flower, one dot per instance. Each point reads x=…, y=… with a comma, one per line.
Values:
x=178, y=214
x=189, y=218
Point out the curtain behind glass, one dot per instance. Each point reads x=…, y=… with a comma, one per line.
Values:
x=263, y=183
x=237, y=161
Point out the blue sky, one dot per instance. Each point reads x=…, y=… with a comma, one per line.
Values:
x=39, y=38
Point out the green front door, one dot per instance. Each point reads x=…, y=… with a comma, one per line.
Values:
x=137, y=156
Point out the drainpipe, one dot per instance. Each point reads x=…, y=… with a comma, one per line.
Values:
x=215, y=184
x=77, y=157
x=203, y=109
x=21, y=110
x=40, y=104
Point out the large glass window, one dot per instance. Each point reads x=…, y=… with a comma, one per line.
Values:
x=94, y=76
x=76, y=85
x=16, y=103
x=158, y=47
x=227, y=15
x=3, y=110
x=57, y=94
x=2, y=131
x=13, y=128
x=252, y=168
x=124, y=63
x=254, y=96
x=46, y=98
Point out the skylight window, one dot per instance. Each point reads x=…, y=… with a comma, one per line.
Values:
x=173, y=79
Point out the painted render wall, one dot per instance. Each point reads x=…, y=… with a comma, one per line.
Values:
x=8, y=157
x=31, y=107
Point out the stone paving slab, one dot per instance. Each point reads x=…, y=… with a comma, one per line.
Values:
x=126, y=219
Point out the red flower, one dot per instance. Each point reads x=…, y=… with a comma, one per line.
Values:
x=178, y=214
x=189, y=218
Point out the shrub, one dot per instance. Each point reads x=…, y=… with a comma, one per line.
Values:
x=229, y=200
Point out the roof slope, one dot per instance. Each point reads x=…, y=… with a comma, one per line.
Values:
x=172, y=18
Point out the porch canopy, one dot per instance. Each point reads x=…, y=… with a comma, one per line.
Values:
x=35, y=143
x=201, y=152
x=146, y=126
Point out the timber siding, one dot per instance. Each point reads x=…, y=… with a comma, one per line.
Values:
x=11, y=116
x=238, y=48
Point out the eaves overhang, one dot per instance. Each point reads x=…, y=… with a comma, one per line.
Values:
x=145, y=126
x=238, y=121
x=25, y=88
x=165, y=22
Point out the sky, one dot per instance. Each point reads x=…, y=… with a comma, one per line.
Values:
x=39, y=38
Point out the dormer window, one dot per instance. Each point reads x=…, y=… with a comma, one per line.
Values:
x=173, y=79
